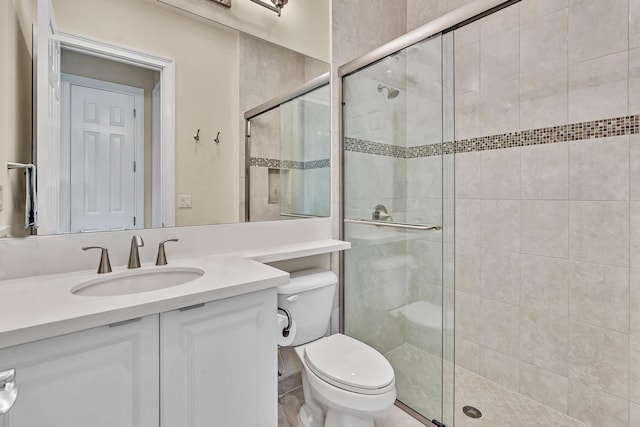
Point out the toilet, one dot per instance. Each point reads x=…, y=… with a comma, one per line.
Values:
x=346, y=383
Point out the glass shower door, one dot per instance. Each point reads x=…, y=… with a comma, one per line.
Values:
x=393, y=158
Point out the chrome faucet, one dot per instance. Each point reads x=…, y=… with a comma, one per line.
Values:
x=134, y=257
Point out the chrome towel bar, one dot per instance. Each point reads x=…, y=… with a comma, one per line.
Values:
x=13, y=165
x=394, y=224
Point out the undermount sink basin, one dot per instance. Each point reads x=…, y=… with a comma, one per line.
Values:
x=133, y=282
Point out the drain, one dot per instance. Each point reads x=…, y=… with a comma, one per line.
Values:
x=472, y=412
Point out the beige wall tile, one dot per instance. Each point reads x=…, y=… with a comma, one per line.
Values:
x=468, y=316
x=635, y=234
x=634, y=24
x=469, y=219
x=499, y=108
x=544, y=228
x=467, y=65
x=467, y=113
x=468, y=263
x=500, y=368
x=634, y=81
x=599, y=232
x=598, y=88
x=634, y=167
x=543, y=340
x=634, y=369
x=545, y=171
x=634, y=318
x=499, y=55
x=544, y=386
x=500, y=225
x=599, y=169
x=597, y=408
x=467, y=170
x=599, y=358
x=500, y=276
x=499, y=326
x=467, y=354
x=500, y=174
x=543, y=43
x=500, y=21
x=544, y=285
x=597, y=28
x=543, y=99
x=468, y=34
x=634, y=414
x=530, y=9
x=599, y=295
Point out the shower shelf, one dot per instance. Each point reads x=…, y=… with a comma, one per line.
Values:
x=394, y=224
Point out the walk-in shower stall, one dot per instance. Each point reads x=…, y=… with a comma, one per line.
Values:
x=490, y=175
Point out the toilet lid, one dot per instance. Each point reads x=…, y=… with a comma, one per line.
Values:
x=349, y=364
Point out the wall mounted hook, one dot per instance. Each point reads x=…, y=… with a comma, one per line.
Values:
x=217, y=139
x=196, y=137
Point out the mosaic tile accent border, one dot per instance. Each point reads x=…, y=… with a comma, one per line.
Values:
x=317, y=164
x=619, y=126
x=263, y=162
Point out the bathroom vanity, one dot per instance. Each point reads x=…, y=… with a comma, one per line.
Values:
x=184, y=355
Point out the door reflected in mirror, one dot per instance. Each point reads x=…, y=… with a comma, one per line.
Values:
x=137, y=120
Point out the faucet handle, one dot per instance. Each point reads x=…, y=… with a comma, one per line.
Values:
x=105, y=265
x=162, y=256
x=134, y=256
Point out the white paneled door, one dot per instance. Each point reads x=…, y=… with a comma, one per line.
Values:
x=104, y=166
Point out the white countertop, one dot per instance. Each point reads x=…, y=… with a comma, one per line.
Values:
x=42, y=307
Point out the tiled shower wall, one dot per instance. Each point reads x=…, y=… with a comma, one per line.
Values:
x=548, y=235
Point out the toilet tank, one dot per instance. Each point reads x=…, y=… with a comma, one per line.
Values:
x=309, y=298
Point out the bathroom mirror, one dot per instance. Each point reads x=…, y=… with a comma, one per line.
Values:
x=132, y=111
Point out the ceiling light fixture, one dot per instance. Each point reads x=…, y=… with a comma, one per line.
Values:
x=277, y=5
x=226, y=3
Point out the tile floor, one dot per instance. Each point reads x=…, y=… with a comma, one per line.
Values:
x=499, y=405
x=289, y=405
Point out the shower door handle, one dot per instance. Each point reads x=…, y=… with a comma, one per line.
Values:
x=394, y=224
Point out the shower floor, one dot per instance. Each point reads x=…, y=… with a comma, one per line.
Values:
x=499, y=405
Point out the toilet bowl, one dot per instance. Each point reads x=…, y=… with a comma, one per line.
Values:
x=346, y=383
x=351, y=382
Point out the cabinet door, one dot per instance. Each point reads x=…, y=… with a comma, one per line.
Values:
x=102, y=377
x=219, y=363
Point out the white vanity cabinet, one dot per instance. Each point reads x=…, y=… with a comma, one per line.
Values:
x=218, y=363
x=101, y=377
x=206, y=365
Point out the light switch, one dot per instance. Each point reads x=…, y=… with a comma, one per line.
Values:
x=184, y=201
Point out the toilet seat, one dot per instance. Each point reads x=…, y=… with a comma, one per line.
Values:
x=350, y=365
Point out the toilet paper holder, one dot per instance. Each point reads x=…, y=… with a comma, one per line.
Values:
x=287, y=329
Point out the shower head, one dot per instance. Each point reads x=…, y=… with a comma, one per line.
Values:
x=391, y=92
